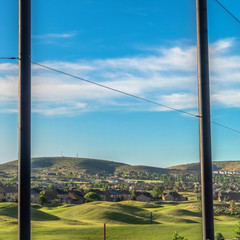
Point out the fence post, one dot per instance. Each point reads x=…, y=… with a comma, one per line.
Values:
x=105, y=236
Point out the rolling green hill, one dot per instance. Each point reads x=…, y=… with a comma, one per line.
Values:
x=125, y=220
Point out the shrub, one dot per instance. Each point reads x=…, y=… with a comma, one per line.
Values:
x=237, y=231
x=92, y=196
x=176, y=236
x=219, y=236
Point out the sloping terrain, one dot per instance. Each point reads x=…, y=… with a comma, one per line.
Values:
x=84, y=165
x=45, y=165
x=125, y=220
x=217, y=165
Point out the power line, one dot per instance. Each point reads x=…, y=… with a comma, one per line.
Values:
x=115, y=90
x=224, y=126
x=131, y=95
x=228, y=11
x=9, y=58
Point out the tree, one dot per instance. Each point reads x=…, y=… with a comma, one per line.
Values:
x=105, y=188
x=38, y=186
x=133, y=193
x=237, y=231
x=157, y=192
x=176, y=236
x=50, y=186
x=232, y=206
x=219, y=236
x=43, y=199
x=13, y=181
x=92, y=196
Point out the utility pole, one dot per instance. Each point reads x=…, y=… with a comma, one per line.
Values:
x=24, y=157
x=204, y=121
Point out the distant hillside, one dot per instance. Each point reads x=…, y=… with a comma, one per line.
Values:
x=140, y=168
x=217, y=165
x=66, y=165
x=79, y=165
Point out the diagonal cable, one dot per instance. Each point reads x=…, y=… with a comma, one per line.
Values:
x=224, y=126
x=228, y=11
x=131, y=95
x=115, y=90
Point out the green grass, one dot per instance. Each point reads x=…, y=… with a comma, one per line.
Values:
x=125, y=220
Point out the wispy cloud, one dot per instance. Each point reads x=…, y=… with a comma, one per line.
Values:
x=55, y=35
x=167, y=76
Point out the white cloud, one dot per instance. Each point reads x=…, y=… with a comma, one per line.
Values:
x=227, y=98
x=8, y=67
x=221, y=45
x=65, y=66
x=180, y=100
x=8, y=88
x=59, y=109
x=167, y=76
x=55, y=35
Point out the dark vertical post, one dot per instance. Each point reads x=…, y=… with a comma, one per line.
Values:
x=24, y=157
x=204, y=120
x=105, y=236
x=151, y=217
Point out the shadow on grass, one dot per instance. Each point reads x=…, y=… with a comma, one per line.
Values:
x=37, y=215
x=168, y=203
x=181, y=212
x=11, y=210
x=127, y=218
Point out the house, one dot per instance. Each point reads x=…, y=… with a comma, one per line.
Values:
x=228, y=196
x=143, y=197
x=2, y=194
x=131, y=181
x=104, y=195
x=123, y=195
x=173, y=196
x=8, y=193
x=35, y=195
x=75, y=197
x=113, y=195
x=114, y=180
x=56, y=194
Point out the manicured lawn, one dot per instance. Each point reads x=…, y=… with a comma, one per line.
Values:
x=86, y=221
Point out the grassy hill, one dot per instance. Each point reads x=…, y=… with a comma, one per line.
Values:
x=125, y=220
x=84, y=165
x=217, y=165
x=93, y=166
x=125, y=212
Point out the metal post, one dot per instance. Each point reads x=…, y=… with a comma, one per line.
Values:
x=105, y=236
x=204, y=120
x=24, y=158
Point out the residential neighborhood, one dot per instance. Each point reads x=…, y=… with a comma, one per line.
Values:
x=76, y=196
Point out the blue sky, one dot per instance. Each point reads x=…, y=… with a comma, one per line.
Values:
x=146, y=48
